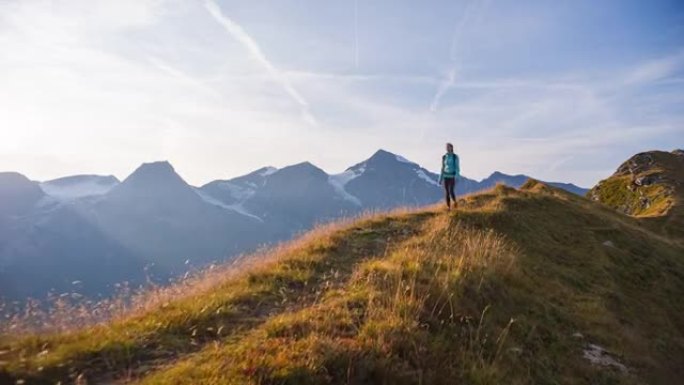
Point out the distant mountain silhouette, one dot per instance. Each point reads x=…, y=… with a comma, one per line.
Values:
x=157, y=214
x=17, y=194
x=518, y=180
x=45, y=244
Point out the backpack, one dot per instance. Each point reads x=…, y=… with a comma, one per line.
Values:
x=450, y=163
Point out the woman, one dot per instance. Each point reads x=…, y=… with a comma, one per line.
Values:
x=450, y=172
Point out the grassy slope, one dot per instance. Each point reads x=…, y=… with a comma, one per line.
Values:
x=494, y=293
x=294, y=278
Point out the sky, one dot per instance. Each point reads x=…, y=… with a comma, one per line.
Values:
x=560, y=90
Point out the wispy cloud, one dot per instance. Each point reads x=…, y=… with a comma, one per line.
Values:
x=656, y=69
x=239, y=34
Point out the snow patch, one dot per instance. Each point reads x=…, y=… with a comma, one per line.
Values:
x=343, y=178
x=337, y=182
x=403, y=160
x=268, y=171
x=423, y=175
x=238, y=208
x=239, y=193
x=76, y=190
x=48, y=202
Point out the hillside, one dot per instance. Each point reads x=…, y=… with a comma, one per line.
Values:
x=650, y=185
x=529, y=286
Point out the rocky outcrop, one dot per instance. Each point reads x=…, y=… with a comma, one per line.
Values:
x=637, y=164
x=649, y=184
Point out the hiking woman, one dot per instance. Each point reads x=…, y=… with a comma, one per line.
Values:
x=450, y=172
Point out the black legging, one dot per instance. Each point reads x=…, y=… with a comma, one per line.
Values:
x=450, y=187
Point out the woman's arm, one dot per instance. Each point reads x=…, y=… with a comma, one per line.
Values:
x=441, y=172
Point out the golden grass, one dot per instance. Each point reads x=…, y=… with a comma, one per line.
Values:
x=389, y=305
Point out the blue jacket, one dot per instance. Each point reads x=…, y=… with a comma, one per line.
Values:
x=451, y=167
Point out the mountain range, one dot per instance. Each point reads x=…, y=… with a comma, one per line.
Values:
x=86, y=233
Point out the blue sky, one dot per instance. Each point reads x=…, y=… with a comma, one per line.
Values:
x=561, y=90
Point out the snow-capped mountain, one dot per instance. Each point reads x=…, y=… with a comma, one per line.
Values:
x=166, y=221
x=46, y=246
x=386, y=180
x=294, y=198
x=234, y=193
x=287, y=200
x=240, y=189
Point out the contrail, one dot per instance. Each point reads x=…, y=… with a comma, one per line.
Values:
x=456, y=51
x=442, y=89
x=239, y=34
x=356, y=34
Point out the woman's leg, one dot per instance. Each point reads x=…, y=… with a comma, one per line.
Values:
x=449, y=190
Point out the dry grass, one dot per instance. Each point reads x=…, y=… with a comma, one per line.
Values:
x=70, y=311
x=377, y=326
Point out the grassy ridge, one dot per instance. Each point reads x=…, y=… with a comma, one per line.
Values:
x=377, y=329
x=512, y=288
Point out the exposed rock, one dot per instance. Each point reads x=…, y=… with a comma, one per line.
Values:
x=607, y=244
x=597, y=355
x=517, y=351
x=638, y=163
x=647, y=180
